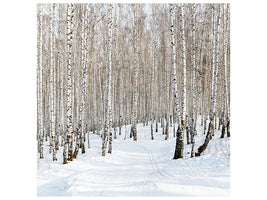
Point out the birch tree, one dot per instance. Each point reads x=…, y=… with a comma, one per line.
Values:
x=214, y=88
x=135, y=75
x=175, y=90
x=67, y=152
x=108, y=87
x=81, y=128
x=40, y=82
x=52, y=82
x=194, y=69
x=225, y=75
x=179, y=147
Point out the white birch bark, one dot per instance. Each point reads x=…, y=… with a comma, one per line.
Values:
x=153, y=81
x=120, y=101
x=213, y=58
x=152, y=86
x=40, y=83
x=228, y=74
x=69, y=85
x=38, y=74
x=174, y=76
x=135, y=74
x=83, y=107
x=225, y=87
x=183, y=53
x=62, y=63
x=194, y=69
x=199, y=105
x=92, y=64
x=167, y=116
x=110, y=79
x=108, y=88
x=181, y=121
x=216, y=64
x=52, y=82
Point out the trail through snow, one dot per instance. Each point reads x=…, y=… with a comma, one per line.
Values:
x=138, y=168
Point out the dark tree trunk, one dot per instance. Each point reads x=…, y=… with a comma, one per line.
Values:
x=228, y=128
x=115, y=133
x=207, y=139
x=131, y=132
x=187, y=135
x=76, y=150
x=110, y=142
x=179, y=144
x=152, y=136
x=223, y=131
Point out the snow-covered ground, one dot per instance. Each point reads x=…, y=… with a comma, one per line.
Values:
x=138, y=168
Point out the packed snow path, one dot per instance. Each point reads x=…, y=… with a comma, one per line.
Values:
x=138, y=168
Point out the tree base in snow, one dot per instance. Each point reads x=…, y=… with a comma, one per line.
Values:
x=179, y=144
x=83, y=148
x=65, y=161
x=203, y=147
x=223, y=131
x=187, y=135
x=228, y=128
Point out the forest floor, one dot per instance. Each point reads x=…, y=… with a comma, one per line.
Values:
x=138, y=168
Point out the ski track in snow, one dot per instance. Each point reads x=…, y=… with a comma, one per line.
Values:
x=138, y=168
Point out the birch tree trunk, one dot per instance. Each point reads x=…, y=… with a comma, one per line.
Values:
x=39, y=28
x=167, y=116
x=108, y=87
x=52, y=80
x=82, y=106
x=194, y=69
x=179, y=147
x=61, y=67
x=68, y=137
x=199, y=104
x=110, y=37
x=225, y=92
x=214, y=82
x=213, y=60
x=152, y=89
x=135, y=71
x=152, y=113
x=40, y=83
x=228, y=75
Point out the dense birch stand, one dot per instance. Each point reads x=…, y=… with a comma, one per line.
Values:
x=100, y=69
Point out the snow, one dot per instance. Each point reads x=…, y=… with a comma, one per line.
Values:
x=138, y=168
